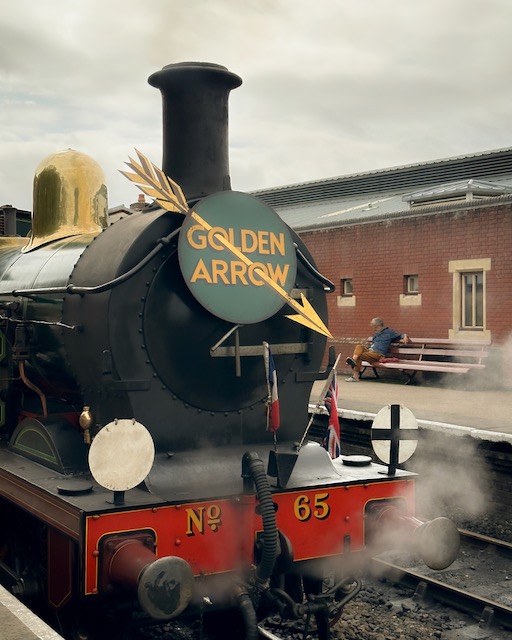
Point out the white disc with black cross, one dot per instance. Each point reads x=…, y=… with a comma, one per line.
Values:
x=394, y=434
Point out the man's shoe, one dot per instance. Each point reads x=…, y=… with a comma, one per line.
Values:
x=352, y=379
x=351, y=362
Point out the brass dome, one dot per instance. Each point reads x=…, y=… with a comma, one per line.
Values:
x=70, y=198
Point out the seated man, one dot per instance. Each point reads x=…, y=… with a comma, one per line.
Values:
x=379, y=347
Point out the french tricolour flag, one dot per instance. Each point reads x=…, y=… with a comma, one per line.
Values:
x=273, y=407
x=332, y=439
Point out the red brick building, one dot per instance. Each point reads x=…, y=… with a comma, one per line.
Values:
x=427, y=247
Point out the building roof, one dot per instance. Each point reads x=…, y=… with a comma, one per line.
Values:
x=470, y=189
x=365, y=197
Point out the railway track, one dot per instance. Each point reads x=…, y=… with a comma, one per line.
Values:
x=477, y=586
x=478, y=583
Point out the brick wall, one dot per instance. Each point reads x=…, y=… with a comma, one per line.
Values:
x=378, y=255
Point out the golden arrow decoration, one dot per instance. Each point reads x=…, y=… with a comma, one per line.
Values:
x=154, y=183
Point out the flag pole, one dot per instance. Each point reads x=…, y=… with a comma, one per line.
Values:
x=267, y=376
x=321, y=399
x=266, y=349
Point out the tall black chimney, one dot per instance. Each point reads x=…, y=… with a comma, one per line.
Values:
x=195, y=125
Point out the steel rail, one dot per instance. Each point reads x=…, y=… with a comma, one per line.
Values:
x=471, y=536
x=265, y=633
x=449, y=594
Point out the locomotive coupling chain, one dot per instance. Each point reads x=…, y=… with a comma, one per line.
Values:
x=337, y=596
x=283, y=603
x=330, y=601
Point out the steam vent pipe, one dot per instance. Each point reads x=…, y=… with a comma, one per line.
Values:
x=195, y=125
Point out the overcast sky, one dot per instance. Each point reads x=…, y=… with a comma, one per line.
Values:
x=330, y=87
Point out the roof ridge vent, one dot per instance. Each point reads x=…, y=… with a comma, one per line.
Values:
x=458, y=190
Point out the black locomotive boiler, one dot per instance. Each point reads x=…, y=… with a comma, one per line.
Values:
x=138, y=470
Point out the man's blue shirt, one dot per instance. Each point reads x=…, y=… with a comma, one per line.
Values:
x=382, y=340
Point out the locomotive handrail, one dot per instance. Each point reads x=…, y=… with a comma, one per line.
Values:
x=46, y=323
x=100, y=288
x=161, y=243
x=328, y=285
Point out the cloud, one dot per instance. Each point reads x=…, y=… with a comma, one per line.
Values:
x=329, y=89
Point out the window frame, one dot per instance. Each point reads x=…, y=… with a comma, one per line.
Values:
x=408, y=278
x=459, y=270
x=343, y=287
x=470, y=303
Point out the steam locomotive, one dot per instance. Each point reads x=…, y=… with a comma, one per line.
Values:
x=138, y=471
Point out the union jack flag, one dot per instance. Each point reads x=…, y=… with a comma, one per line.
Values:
x=273, y=400
x=332, y=439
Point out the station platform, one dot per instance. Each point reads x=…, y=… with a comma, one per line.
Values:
x=483, y=413
x=19, y=623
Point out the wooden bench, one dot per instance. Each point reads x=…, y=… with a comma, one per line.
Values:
x=438, y=355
